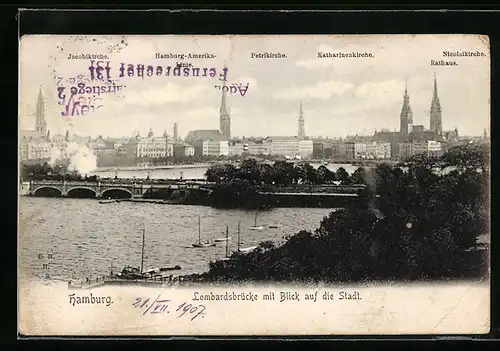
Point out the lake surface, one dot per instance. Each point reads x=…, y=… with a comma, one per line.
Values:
x=87, y=238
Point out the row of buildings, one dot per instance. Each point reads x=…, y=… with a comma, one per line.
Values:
x=409, y=140
x=39, y=144
x=204, y=143
x=377, y=150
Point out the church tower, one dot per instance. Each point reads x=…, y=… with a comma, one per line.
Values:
x=225, y=120
x=40, y=124
x=301, y=132
x=435, y=114
x=406, y=117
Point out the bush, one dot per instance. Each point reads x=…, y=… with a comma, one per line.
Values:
x=422, y=226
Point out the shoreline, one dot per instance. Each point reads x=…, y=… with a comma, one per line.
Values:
x=356, y=163
x=147, y=168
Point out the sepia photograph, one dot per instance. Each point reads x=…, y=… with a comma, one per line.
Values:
x=254, y=185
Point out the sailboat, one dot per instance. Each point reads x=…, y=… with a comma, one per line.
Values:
x=226, y=239
x=245, y=249
x=199, y=244
x=255, y=226
x=133, y=273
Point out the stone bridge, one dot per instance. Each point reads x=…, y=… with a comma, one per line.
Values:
x=111, y=188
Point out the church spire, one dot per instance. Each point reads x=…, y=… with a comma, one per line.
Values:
x=406, y=116
x=40, y=124
x=225, y=120
x=436, y=123
x=301, y=131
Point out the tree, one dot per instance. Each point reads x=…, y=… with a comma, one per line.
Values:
x=300, y=174
x=250, y=170
x=311, y=174
x=359, y=176
x=284, y=173
x=422, y=226
x=324, y=175
x=342, y=175
x=267, y=173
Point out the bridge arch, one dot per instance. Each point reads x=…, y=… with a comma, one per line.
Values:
x=81, y=192
x=116, y=193
x=47, y=190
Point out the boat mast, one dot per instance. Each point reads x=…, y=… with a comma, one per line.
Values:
x=142, y=251
x=238, y=236
x=199, y=230
x=227, y=241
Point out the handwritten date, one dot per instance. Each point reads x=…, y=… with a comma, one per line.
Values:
x=164, y=306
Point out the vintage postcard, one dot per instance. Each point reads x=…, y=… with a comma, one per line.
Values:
x=254, y=185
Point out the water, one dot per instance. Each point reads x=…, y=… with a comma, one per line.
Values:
x=87, y=238
x=188, y=172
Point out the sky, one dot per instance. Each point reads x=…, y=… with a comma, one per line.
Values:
x=340, y=96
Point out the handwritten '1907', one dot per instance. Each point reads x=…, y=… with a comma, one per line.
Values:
x=162, y=306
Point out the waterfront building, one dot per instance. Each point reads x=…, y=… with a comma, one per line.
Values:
x=324, y=148
x=378, y=150
x=305, y=148
x=236, y=149
x=341, y=150
x=149, y=147
x=60, y=145
x=123, y=150
x=183, y=150
x=284, y=145
x=428, y=148
x=100, y=146
x=352, y=149
x=35, y=149
x=211, y=148
x=258, y=147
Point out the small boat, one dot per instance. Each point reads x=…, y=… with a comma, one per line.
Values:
x=163, y=269
x=205, y=244
x=175, y=268
x=199, y=244
x=107, y=201
x=245, y=249
x=273, y=226
x=136, y=273
x=222, y=239
x=129, y=273
x=255, y=226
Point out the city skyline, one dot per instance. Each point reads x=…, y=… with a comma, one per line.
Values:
x=405, y=128
x=336, y=100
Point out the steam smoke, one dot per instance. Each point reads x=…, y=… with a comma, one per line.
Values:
x=82, y=159
x=55, y=154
